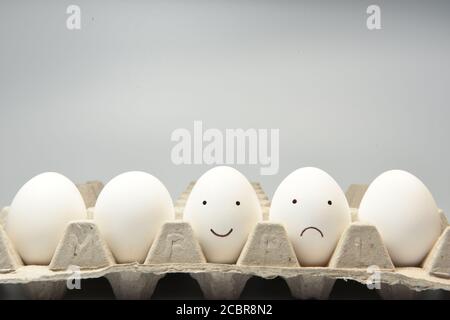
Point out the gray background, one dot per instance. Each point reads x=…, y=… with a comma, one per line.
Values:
x=103, y=100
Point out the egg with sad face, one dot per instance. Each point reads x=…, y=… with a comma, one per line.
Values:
x=314, y=211
x=222, y=208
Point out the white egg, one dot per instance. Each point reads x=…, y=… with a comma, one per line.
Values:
x=405, y=213
x=39, y=215
x=314, y=211
x=129, y=212
x=222, y=208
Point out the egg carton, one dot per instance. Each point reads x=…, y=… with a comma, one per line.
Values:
x=267, y=254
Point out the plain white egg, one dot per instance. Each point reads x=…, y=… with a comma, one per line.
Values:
x=129, y=212
x=39, y=215
x=222, y=208
x=314, y=211
x=405, y=213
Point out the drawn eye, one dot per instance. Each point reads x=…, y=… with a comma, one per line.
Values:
x=330, y=202
x=204, y=202
x=238, y=203
x=294, y=201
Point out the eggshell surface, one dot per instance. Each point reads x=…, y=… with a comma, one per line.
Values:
x=222, y=208
x=405, y=213
x=39, y=214
x=314, y=211
x=129, y=212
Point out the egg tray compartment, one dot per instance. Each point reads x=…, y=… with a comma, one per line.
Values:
x=267, y=254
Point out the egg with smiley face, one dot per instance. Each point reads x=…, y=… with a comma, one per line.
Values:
x=222, y=208
x=314, y=211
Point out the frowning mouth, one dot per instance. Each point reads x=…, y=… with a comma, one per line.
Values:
x=222, y=235
x=313, y=228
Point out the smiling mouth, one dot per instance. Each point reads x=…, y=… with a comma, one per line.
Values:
x=222, y=235
x=313, y=228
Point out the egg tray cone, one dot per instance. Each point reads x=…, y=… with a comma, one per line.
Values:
x=360, y=256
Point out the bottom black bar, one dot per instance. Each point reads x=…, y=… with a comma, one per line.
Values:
x=239, y=309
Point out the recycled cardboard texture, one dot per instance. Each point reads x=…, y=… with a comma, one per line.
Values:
x=268, y=245
x=310, y=287
x=444, y=221
x=9, y=259
x=132, y=285
x=45, y=290
x=355, y=193
x=90, y=191
x=3, y=214
x=90, y=213
x=175, y=243
x=361, y=246
x=219, y=285
x=258, y=258
x=438, y=260
x=82, y=246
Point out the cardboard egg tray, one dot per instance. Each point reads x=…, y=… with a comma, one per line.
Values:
x=267, y=254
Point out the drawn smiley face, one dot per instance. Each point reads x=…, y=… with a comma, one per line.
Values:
x=221, y=235
x=222, y=208
x=313, y=228
x=314, y=211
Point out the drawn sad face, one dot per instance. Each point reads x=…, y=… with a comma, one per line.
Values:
x=314, y=211
x=222, y=208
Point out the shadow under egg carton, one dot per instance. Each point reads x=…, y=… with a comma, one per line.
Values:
x=267, y=254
